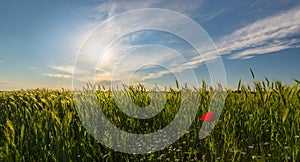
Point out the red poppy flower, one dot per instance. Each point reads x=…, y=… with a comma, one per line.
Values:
x=209, y=116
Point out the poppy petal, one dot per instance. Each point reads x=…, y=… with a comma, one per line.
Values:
x=209, y=116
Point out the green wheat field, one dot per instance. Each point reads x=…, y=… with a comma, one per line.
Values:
x=258, y=123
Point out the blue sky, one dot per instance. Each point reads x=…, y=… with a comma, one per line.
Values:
x=40, y=40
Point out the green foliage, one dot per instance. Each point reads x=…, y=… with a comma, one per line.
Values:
x=139, y=95
x=262, y=124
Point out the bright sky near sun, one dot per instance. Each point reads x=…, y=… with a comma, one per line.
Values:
x=40, y=40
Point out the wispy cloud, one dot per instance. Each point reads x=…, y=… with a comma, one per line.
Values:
x=164, y=21
x=187, y=65
x=65, y=69
x=58, y=75
x=107, y=9
x=271, y=34
x=110, y=8
x=1, y=61
x=209, y=15
x=64, y=72
x=123, y=61
x=114, y=7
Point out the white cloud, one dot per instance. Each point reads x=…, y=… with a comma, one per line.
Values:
x=123, y=61
x=258, y=50
x=267, y=35
x=164, y=21
x=103, y=76
x=263, y=36
x=65, y=72
x=58, y=75
x=65, y=69
x=209, y=15
x=111, y=8
x=114, y=7
x=187, y=65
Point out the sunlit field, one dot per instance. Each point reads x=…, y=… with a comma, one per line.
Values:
x=259, y=123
